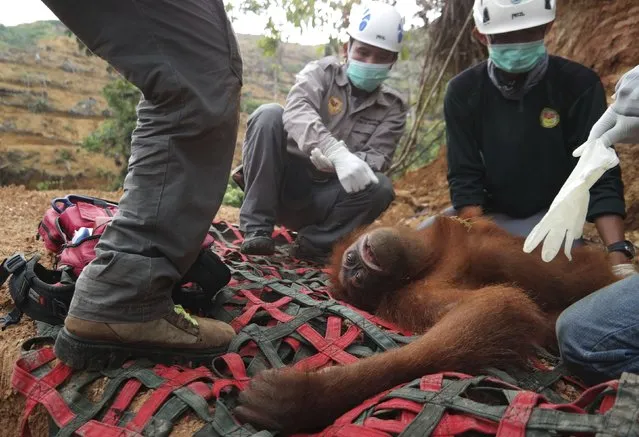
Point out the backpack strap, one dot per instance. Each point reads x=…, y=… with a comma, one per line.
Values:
x=42, y=294
x=210, y=273
x=13, y=264
x=72, y=199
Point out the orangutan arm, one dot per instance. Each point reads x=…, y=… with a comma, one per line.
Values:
x=488, y=327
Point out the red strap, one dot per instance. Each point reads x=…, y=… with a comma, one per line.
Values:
x=400, y=404
x=160, y=395
x=284, y=233
x=454, y=424
x=41, y=390
x=607, y=403
x=122, y=402
x=431, y=382
x=516, y=416
x=93, y=428
x=348, y=430
x=330, y=347
x=238, y=371
x=255, y=304
x=589, y=396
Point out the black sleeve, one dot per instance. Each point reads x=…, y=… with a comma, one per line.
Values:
x=607, y=195
x=465, y=165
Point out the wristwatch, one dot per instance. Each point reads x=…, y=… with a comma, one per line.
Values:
x=626, y=247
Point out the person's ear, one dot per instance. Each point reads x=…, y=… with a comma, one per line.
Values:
x=345, y=49
x=480, y=37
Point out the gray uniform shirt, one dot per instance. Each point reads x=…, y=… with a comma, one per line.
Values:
x=321, y=111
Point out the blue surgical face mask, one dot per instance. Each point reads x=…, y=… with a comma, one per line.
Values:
x=365, y=76
x=518, y=57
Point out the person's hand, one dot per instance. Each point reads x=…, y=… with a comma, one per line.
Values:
x=566, y=216
x=321, y=162
x=353, y=173
x=614, y=128
x=620, y=123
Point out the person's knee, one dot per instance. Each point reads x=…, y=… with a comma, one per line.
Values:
x=268, y=114
x=191, y=103
x=382, y=193
x=569, y=330
x=448, y=212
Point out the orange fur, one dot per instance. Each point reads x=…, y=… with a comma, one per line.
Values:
x=478, y=299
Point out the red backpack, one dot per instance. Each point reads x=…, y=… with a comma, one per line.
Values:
x=70, y=229
x=88, y=216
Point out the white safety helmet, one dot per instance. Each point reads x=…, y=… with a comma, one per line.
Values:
x=378, y=24
x=501, y=16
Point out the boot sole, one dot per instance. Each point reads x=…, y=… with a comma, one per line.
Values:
x=91, y=355
x=258, y=252
x=255, y=247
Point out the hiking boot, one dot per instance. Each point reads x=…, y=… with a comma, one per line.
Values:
x=305, y=251
x=258, y=243
x=178, y=338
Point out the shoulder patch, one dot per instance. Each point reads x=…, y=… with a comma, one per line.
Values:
x=335, y=105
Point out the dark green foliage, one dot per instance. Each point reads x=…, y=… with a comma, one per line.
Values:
x=113, y=137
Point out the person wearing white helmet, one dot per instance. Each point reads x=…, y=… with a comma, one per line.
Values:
x=598, y=336
x=513, y=121
x=316, y=165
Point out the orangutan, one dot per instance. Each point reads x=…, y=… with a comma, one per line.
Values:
x=467, y=286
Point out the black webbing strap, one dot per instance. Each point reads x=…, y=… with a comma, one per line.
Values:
x=9, y=266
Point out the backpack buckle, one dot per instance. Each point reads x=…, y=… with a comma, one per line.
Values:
x=59, y=308
x=14, y=263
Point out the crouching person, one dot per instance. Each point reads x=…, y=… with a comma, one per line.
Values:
x=315, y=165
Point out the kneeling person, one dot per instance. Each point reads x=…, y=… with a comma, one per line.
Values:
x=513, y=122
x=316, y=165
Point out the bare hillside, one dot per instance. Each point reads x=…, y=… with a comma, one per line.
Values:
x=51, y=100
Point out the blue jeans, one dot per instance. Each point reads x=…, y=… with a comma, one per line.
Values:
x=599, y=335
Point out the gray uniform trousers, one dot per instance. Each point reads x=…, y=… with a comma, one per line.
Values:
x=280, y=188
x=184, y=57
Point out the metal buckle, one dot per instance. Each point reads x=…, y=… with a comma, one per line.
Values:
x=15, y=263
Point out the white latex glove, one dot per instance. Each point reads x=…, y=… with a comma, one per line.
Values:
x=615, y=128
x=620, y=122
x=321, y=162
x=353, y=173
x=567, y=214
